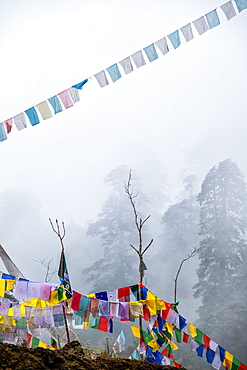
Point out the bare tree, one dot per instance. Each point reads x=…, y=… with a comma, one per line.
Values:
x=190, y=255
x=47, y=265
x=140, y=250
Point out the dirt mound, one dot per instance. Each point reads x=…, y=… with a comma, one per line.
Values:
x=69, y=357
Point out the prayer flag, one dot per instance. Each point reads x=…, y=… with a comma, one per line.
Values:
x=151, y=52
x=212, y=19
x=241, y=4
x=101, y=78
x=178, y=334
x=135, y=355
x=182, y=322
x=229, y=10
x=135, y=331
x=35, y=342
x=33, y=116
x=199, y=350
x=80, y=84
x=103, y=324
x=228, y=360
x=126, y=65
x=200, y=25
x=175, y=39
x=102, y=296
x=206, y=341
x=66, y=99
x=8, y=124
x=216, y=362
x=138, y=59
x=235, y=364
x=44, y=110
x=123, y=292
x=20, y=121
x=64, y=275
x=222, y=353
x=210, y=355
x=199, y=336
x=173, y=345
x=194, y=344
x=162, y=45
x=55, y=103
x=74, y=93
x=187, y=32
x=193, y=332
x=114, y=72
x=75, y=303
x=3, y=135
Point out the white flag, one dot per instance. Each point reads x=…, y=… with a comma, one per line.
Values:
x=126, y=65
x=20, y=121
x=229, y=10
x=216, y=361
x=101, y=78
x=200, y=25
x=138, y=59
x=162, y=45
x=187, y=32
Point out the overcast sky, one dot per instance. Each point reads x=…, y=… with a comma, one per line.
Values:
x=192, y=100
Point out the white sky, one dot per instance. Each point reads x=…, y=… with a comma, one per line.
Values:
x=180, y=101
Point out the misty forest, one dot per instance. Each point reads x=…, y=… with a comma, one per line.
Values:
x=208, y=222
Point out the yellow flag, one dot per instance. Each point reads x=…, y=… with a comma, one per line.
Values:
x=10, y=284
x=228, y=360
x=173, y=345
x=151, y=303
x=136, y=331
x=2, y=287
x=170, y=327
x=154, y=345
x=43, y=344
x=193, y=332
x=160, y=305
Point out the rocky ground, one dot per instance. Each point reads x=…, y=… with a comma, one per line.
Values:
x=69, y=357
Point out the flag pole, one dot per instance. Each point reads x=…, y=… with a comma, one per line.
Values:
x=62, y=272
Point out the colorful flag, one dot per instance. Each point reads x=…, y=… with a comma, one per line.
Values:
x=64, y=275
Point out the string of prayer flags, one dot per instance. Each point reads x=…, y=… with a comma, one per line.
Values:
x=70, y=96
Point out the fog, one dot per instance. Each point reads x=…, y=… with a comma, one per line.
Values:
x=178, y=115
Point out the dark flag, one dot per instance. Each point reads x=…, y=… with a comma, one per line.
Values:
x=64, y=275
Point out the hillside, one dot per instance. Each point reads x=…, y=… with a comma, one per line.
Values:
x=67, y=358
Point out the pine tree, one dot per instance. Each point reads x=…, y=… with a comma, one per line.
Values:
x=223, y=221
x=118, y=266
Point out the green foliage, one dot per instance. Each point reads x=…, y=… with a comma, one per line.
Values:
x=223, y=222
